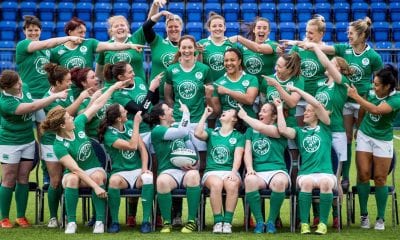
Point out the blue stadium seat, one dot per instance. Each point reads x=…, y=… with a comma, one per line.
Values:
x=285, y=12
x=177, y=8
x=304, y=1
x=328, y=37
x=232, y=1
x=7, y=50
x=272, y=34
x=195, y=29
x=46, y=11
x=7, y=30
x=302, y=26
x=383, y=45
x=100, y=31
x=232, y=29
x=135, y=26
x=379, y=11
x=341, y=31
x=65, y=11
x=304, y=11
x=324, y=9
x=396, y=31
x=7, y=65
x=59, y=31
x=160, y=29
x=9, y=10
x=231, y=11
x=84, y=11
x=268, y=11
x=27, y=8
x=381, y=31
x=102, y=11
x=249, y=11
x=89, y=29
x=214, y=7
x=287, y=30
x=381, y=48
x=194, y=12
x=121, y=8
x=341, y=11
x=139, y=11
x=47, y=30
x=394, y=9
x=359, y=10
x=211, y=1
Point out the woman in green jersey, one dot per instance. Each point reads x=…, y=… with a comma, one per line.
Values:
x=225, y=146
x=375, y=140
x=265, y=165
x=365, y=61
x=129, y=158
x=315, y=142
x=167, y=137
x=119, y=31
x=73, y=149
x=17, y=145
x=60, y=80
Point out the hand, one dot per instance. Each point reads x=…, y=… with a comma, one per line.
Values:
x=122, y=84
x=278, y=102
x=62, y=94
x=307, y=45
x=242, y=113
x=101, y=193
x=208, y=111
x=250, y=172
x=200, y=48
x=232, y=177
x=138, y=47
x=138, y=117
x=234, y=39
x=286, y=42
x=86, y=93
x=160, y=3
x=155, y=83
x=351, y=90
x=209, y=89
x=270, y=81
x=146, y=171
x=183, y=107
x=75, y=40
x=291, y=88
x=187, y=168
x=97, y=94
x=222, y=90
x=280, y=49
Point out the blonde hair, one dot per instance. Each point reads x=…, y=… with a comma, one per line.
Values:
x=319, y=21
x=174, y=18
x=54, y=119
x=362, y=26
x=111, y=21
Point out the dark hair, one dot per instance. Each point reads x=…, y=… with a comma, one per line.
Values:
x=73, y=24
x=112, y=113
x=388, y=76
x=178, y=54
x=55, y=73
x=31, y=20
x=79, y=75
x=250, y=34
x=293, y=63
x=112, y=71
x=54, y=119
x=8, y=79
x=153, y=118
x=240, y=125
x=238, y=54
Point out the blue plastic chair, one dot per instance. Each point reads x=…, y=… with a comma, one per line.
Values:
x=7, y=65
x=231, y=11
x=268, y=11
x=7, y=30
x=102, y=11
x=7, y=50
x=211, y=7
x=9, y=10
x=341, y=11
x=360, y=10
x=195, y=29
x=177, y=8
x=379, y=11
x=47, y=30
x=328, y=37
x=122, y=8
x=396, y=31
x=135, y=26
x=286, y=12
x=287, y=30
x=232, y=29
x=84, y=11
x=302, y=29
x=159, y=28
x=394, y=9
x=65, y=11
x=384, y=49
x=139, y=11
x=272, y=34
x=341, y=31
x=27, y=8
x=249, y=11
x=304, y=11
x=381, y=31
x=100, y=31
x=46, y=11
x=194, y=11
x=324, y=9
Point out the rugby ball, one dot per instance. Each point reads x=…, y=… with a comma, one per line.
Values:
x=183, y=157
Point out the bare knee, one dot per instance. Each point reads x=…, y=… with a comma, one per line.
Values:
x=98, y=177
x=251, y=183
x=306, y=185
x=279, y=183
x=192, y=178
x=72, y=181
x=115, y=181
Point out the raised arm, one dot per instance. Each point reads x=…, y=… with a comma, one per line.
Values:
x=247, y=98
x=269, y=130
x=52, y=42
x=291, y=99
x=25, y=108
x=212, y=101
x=155, y=8
x=73, y=108
x=199, y=131
x=253, y=46
x=117, y=46
x=168, y=94
x=287, y=132
x=133, y=143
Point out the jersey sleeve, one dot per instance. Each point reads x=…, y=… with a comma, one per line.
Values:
x=22, y=50
x=394, y=102
x=339, y=49
x=110, y=138
x=60, y=150
x=138, y=37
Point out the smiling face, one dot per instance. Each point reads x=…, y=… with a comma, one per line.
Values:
x=187, y=49
x=312, y=33
x=354, y=37
x=281, y=70
x=119, y=29
x=32, y=32
x=174, y=30
x=123, y=114
x=65, y=83
x=261, y=31
x=380, y=89
x=266, y=114
x=91, y=81
x=309, y=115
x=128, y=74
x=232, y=63
x=217, y=28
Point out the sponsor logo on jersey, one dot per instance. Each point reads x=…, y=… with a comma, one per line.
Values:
x=232, y=102
x=121, y=57
x=357, y=75
x=261, y=146
x=81, y=134
x=216, y=62
x=6, y=156
x=130, y=132
x=128, y=154
x=27, y=117
x=39, y=63
x=323, y=97
x=253, y=65
x=49, y=155
x=84, y=151
x=187, y=89
x=66, y=144
x=75, y=62
x=61, y=52
x=167, y=58
x=309, y=68
x=312, y=143
x=140, y=98
x=47, y=53
x=220, y=154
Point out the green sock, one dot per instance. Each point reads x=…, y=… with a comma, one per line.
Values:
x=381, y=196
x=21, y=198
x=275, y=205
x=254, y=200
x=71, y=201
x=100, y=206
x=325, y=205
x=165, y=204
x=5, y=203
x=347, y=164
x=218, y=218
x=147, y=201
x=363, y=190
x=114, y=201
x=304, y=206
x=228, y=217
x=334, y=210
x=54, y=195
x=193, y=200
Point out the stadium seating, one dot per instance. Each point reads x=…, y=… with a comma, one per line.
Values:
x=304, y=12
x=59, y=31
x=46, y=11
x=268, y=11
x=287, y=30
x=360, y=10
x=100, y=31
x=342, y=11
x=84, y=11
x=9, y=10
x=8, y=51
x=135, y=26
x=249, y=11
x=121, y=8
x=381, y=31
x=195, y=29
x=4, y=65
x=301, y=26
x=394, y=9
x=324, y=9
x=328, y=37
x=232, y=29
x=396, y=31
x=140, y=11
x=341, y=31
x=286, y=12
x=231, y=11
x=383, y=49
x=7, y=30
x=47, y=30
x=65, y=11
x=27, y=8
x=378, y=11
x=272, y=34
x=177, y=8
x=159, y=28
x=102, y=11
x=194, y=12
x=211, y=7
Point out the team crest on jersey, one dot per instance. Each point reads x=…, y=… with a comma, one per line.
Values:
x=309, y=68
x=261, y=146
x=232, y=102
x=178, y=143
x=127, y=154
x=232, y=141
x=130, y=132
x=253, y=65
x=142, y=87
x=124, y=92
x=220, y=154
x=121, y=57
x=83, y=49
x=167, y=58
x=312, y=143
x=81, y=134
x=272, y=95
x=322, y=97
x=365, y=61
x=84, y=151
x=222, y=82
x=357, y=75
x=75, y=62
x=47, y=53
x=187, y=89
x=375, y=118
x=39, y=63
x=245, y=83
x=198, y=75
x=216, y=61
